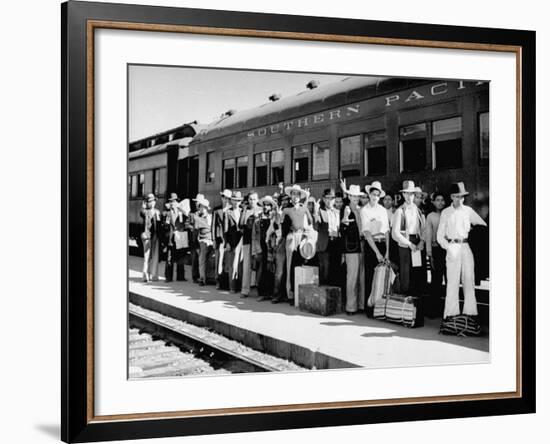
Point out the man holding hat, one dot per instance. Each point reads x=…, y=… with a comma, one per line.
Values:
x=149, y=238
x=375, y=227
x=408, y=231
x=217, y=234
x=233, y=240
x=452, y=234
x=203, y=228
x=295, y=221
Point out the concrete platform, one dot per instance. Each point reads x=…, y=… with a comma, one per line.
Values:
x=312, y=341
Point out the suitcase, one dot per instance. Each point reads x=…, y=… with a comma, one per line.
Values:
x=304, y=275
x=401, y=309
x=460, y=325
x=382, y=282
x=324, y=300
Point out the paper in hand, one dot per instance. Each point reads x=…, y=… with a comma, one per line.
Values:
x=416, y=258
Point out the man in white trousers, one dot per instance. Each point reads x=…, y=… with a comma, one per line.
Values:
x=452, y=234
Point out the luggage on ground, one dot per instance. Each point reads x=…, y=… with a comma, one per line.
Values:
x=304, y=275
x=460, y=325
x=401, y=309
x=323, y=300
x=382, y=282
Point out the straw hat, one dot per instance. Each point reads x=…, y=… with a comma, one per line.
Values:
x=307, y=248
x=408, y=187
x=375, y=186
x=267, y=200
x=236, y=195
x=204, y=202
x=173, y=196
x=458, y=188
x=199, y=197
x=354, y=190
x=296, y=188
x=150, y=198
x=226, y=193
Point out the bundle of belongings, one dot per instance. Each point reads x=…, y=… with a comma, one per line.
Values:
x=401, y=309
x=460, y=325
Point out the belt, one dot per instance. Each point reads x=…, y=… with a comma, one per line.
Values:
x=458, y=241
x=380, y=239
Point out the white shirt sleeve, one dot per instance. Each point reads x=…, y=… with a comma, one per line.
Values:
x=475, y=219
x=396, y=232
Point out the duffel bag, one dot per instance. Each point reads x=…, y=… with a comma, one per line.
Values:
x=401, y=309
x=460, y=325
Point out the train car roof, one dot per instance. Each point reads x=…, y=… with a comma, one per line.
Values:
x=347, y=90
x=160, y=148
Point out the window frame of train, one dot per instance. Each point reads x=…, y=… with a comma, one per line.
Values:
x=307, y=153
x=419, y=131
x=82, y=349
x=444, y=140
x=210, y=170
x=484, y=154
x=137, y=191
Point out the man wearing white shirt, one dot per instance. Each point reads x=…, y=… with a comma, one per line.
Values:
x=375, y=227
x=452, y=234
x=408, y=231
x=327, y=223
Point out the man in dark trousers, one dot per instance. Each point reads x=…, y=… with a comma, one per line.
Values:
x=327, y=223
x=219, y=245
x=233, y=241
x=173, y=222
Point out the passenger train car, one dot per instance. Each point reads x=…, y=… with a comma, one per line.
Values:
x=361, y=129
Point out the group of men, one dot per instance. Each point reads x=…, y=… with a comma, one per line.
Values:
x=257, y=242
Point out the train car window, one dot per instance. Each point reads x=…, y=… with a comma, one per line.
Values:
x=350, y=156
x=229, y=173
x=210, y=174
x=484, y=138
x=162, y=181
x=141, y=185
x=300, y=157
x=375, y=153
x=447, y=143
x=133, y=185
x=412, y=147
x=277, y=167
x=242, y=172
x=320, y=161
x=261, y=169
x=156, y=182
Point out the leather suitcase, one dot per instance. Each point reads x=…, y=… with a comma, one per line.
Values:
x=324, y=300
x=305, y=274
x=401, y=309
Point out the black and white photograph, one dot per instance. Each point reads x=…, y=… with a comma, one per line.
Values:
x=293, y=221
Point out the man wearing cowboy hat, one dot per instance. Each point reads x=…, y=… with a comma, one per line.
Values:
x=203, y=228
x=408, y=231
x=149, y=238
x=218, y=215
x=194, y=243
x=375, y=227
x=262, y=253
x=350, y=230
x=327, y=222
x=295, y=221
x=452, y=234
x=174, y=222
x=249, y=215
x=233, y=240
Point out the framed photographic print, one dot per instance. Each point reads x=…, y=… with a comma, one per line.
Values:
x=275, y=221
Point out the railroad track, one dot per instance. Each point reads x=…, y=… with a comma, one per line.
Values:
x=160, y=346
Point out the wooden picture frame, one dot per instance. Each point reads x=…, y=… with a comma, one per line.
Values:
x=79, y=22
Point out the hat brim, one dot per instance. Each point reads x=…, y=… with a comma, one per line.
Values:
x=237, y=198
x=409, y=190
x=460, y=194
x=382, y=192
x=172, y=199
x=267, y=201
x=289, y=190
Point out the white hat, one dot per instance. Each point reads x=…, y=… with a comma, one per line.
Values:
x=204, y=202
x=236, y=195
x=226, y=193
x=267, y=199
x=355, y=190
x=408, y=187
x=296, y=188
x=459, y=189
x=199, y=197
x=307, y=248
x=375, y=186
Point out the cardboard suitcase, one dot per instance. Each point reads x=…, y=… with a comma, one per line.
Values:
x=304, y=275
x=324, y=300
